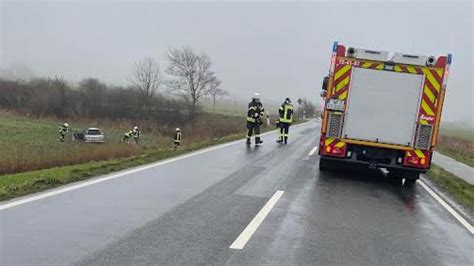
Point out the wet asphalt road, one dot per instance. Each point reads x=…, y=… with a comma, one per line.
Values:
x=190, y=211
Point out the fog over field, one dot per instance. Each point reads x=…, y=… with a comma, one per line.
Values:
x=277, y=49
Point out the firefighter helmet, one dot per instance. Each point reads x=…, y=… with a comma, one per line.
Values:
x=66, y=125
x=177, y=129
x=256, y=96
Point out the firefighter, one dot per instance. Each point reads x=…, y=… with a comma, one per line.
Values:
x=286, y=116
x=127, y=136
x=177, y=138
x=62, y=131
x=136, y=134
x=255, y=114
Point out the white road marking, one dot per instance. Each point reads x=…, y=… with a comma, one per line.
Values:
x=313, y=151
x=443, y=203
x=244, y=237
x=53, y=192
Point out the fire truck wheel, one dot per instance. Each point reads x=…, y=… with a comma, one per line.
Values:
x=323, y=164
x=395, y=177
x=411, y=177
x=410, y=182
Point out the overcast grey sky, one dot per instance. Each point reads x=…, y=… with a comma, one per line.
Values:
x=278, y=49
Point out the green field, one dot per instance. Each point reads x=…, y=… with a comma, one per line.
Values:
x=235, y=107
x=32, y=159
x=31, y=144
x=20, y=184
x=457, y=142
x=457, y=130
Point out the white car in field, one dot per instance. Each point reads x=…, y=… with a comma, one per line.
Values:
x=93, y=135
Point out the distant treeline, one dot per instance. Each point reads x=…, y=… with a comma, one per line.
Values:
x=89, y=99
x=188, y=74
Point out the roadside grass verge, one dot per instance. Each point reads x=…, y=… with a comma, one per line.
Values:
x=462, y=191
x=21, y=184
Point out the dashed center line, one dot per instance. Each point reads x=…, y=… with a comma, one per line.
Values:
x=245, y=236
x=313, y=151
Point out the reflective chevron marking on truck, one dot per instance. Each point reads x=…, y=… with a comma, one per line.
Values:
x=341, y=81
x=372, y=65
x=328, y=141
x=334, y=147
x=420, y=154
x=334, y=142
x=343, y=74
x=417, y=158
x=431, y=89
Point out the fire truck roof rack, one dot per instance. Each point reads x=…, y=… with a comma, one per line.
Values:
x=367, y=54
x=420, y=60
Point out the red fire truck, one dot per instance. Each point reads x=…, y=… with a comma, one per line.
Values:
x=382, y=110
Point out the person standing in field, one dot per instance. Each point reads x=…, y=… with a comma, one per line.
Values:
x=177, y=138
x=127, y=136
x=63, y=129
x=136, y=134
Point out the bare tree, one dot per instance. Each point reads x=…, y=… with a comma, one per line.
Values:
x=307, y=107
x=192, y=74
x=146, y=77
x=93, y=95
x=215, y=91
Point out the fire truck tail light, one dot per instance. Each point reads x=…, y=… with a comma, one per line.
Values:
x=336, y=150
x=414, y=159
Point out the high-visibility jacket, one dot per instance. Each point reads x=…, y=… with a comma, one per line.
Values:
x=63, y=130
x=255, y=112
x=136, y=134
x=177, y=137
x=129, y=134
x=286, y=113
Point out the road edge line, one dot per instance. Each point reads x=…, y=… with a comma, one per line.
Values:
x=247, y=233
x=450, y=209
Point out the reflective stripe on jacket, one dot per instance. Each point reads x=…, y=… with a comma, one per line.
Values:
x=177, y=137
x=286, y=113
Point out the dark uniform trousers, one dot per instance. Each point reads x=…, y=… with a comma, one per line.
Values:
x=284, y=129
x=254, y=113
x=253, y=128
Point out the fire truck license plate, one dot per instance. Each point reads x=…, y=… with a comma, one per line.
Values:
x=335, y=104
